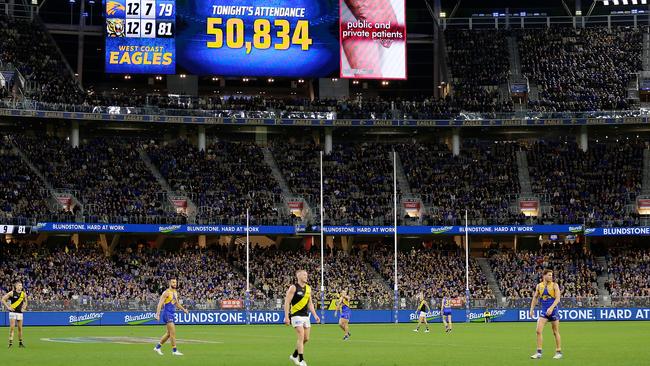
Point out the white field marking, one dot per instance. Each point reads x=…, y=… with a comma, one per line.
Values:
x=122, y=340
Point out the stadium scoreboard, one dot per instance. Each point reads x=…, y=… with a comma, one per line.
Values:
x=140, y=36
x=15, y=229
x=290, y=38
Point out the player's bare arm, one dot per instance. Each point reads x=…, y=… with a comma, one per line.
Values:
x=287, y=303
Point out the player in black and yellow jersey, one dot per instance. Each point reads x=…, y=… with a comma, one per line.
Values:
x=423, y=309
x=16, y=303
x=297, y=307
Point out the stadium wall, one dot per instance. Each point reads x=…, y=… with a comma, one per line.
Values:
x=276, y=317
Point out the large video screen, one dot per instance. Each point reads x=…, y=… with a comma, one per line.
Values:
x=291, y=38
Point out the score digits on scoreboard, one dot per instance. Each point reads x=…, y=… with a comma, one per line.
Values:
x=15, y=229
x=140, y=36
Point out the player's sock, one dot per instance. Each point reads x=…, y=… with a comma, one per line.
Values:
x=174, y=349
x=158, y=346
x=539, y=350
x=300, y=358
x=295, y=353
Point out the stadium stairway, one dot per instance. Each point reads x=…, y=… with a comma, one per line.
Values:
x=53, y=192
x=492, y=281
x=645, y=185
x=378, y=278
x=513, y=58
x=533, y=92
x=282, y=183
x=603, y=295
x=191, y=206
x=523, y=173
x=270, y=161
x=646, y=52
x=402, y=182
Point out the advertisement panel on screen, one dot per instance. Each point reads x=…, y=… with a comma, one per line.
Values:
x=373, y=39
x=140, y=36
x=291, y=38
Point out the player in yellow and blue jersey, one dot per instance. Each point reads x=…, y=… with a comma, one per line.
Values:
x=168, y=302
x=548, y=294
x=445, y=311
x=343, y=305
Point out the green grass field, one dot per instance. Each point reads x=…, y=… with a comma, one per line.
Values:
x=602, y=343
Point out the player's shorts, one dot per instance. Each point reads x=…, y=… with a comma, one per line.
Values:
x=346, y=315
x=555, y=315
x=300, y=321
x=446, y=312
x=423, y=314
x=15, y=316
x=167, y=317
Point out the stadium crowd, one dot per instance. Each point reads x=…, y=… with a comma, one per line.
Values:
x=22, y=194
x=107, y=175
x=629, y=271
x=27, y=47
x=479, y=64
x=580, y=69
x=60, y=275
x=223, y=180
x=66, y=276
x=594, y=187
x=273, y=269
x=482, y=179
x=358, y=184
x=575, y=271
x=431, y=270
x=300, y=167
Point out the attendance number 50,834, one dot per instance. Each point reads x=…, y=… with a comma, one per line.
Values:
x=234, y=31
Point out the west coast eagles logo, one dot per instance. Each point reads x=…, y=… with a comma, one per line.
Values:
x=115, y=9
x=115, y=27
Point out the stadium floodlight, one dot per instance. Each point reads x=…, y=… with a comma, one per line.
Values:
x=624, y=2
x=615, y=2
x=606, y=2
x=635, y=2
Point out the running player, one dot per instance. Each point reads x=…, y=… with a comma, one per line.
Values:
x=445, y=310
x=168, y=302
x=16, y=303
x=343, y=305
x=548, y=293
x=297, y=306
x=423, y=309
